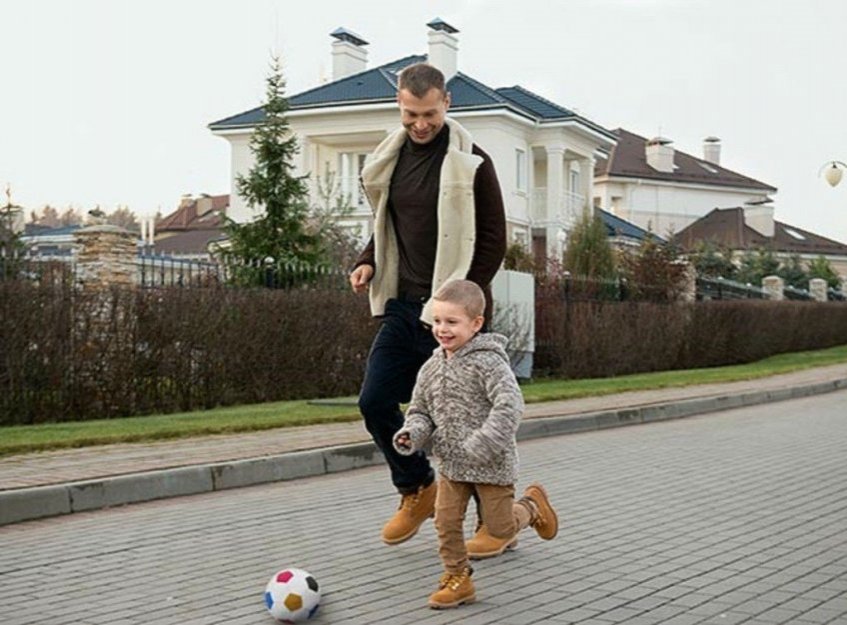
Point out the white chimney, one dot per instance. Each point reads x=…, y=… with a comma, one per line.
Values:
x=348, y=53
x=759, y=216
x=151, y=231
x=443, y=47
x=659, y=153
x=712, y=150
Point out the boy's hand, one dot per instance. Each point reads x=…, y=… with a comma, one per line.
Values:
x=403, y=440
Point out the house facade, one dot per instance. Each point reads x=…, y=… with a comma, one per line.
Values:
x=188, y=231
x=544, y=153
x=650, y=183
x=733, y=229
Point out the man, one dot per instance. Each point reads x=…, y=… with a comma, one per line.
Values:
x=438, y=216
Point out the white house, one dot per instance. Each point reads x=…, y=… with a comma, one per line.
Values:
x=653, y=185
x=544, y=153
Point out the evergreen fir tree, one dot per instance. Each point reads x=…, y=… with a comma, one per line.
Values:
x=792, y=272
x=589, y=254
x=278, y=237
x=820, y=267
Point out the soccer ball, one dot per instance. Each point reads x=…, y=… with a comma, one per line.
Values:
x=292, y=595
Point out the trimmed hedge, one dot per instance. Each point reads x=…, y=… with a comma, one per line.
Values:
x=70, y=355
x=601, y=339
x=66, y=355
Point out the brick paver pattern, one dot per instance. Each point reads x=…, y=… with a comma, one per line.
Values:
x=736, y=517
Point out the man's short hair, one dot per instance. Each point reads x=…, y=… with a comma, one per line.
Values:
x=465, y=293
x=419, y=78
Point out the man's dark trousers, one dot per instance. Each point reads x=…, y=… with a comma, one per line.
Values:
x=401, y=346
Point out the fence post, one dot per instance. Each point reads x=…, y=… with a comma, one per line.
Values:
x=689, y=282
x=774, y=286
x=105, y=256
x=514, y=315
x=818, y=289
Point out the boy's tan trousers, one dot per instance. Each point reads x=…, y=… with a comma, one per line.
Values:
x=502, y=516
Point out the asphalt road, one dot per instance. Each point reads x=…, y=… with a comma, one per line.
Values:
x=734, y=517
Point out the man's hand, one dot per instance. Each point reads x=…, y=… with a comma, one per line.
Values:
x=360, y=278
x=403, y=440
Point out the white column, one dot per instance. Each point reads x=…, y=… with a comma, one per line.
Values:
x=586, y=179
x=555, y=186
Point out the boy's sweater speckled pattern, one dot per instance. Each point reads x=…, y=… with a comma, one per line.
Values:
x=469, y=406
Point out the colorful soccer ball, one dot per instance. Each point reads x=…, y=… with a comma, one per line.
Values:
x=292, y=596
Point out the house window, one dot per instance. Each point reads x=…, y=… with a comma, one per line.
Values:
x=350, y=166
x=520, y=171
x=519, y=237
x=574, y=181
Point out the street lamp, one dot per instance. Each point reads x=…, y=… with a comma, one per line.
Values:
x=834, y=171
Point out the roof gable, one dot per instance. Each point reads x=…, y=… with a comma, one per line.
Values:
x=727, y=227
x=628, y=160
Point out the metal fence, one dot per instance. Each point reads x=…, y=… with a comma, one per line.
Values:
x=166, y=271
x=723, y=289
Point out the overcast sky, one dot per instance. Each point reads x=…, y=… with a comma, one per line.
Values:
x=107, y=101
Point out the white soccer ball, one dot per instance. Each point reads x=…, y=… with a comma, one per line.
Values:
x=292, y=596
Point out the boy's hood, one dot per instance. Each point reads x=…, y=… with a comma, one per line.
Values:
x=484, y=342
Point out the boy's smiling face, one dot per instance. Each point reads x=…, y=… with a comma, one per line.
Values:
x=452, y=326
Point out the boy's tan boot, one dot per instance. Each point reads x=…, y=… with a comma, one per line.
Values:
x=484, y=545
x=543, y=520
x=453, y=590
x=414, y=509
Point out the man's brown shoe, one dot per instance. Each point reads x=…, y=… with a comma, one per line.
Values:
x=414, y=509
x=484, y=545
x=544, y=520
x=453, y=590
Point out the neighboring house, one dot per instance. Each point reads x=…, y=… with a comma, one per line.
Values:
x=47, y=243
x=741, y=231
x=187, y=232
x=623, y=234
x=544, y=153
x=653, y=185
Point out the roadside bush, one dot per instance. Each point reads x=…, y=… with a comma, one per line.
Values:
x=69, y=355
x=72, y=355
x=580, y=339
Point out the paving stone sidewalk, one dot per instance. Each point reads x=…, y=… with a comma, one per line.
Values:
x=735, y=518
x=52, y=483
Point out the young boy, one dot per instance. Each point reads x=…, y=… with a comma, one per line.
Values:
x=467, y=401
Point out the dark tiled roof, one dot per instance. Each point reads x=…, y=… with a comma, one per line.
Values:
x=187, y=242
x=628, y=160
x=380, y=85
x=188, y=217
x=535, y=104
x=726, y=226
x=615, y=226
x=39, y=230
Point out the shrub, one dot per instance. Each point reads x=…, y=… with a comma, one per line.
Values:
x=68, y=355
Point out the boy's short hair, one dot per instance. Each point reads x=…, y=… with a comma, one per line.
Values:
x=419, y=78
x=465, y=293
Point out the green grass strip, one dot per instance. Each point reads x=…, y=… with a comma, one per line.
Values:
x=256, y=417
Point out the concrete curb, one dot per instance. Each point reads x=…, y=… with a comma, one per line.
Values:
x=45, y=501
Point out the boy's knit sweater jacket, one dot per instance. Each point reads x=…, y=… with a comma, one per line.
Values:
x=470, y=406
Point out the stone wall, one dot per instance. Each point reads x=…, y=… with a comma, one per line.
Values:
x=105, y=256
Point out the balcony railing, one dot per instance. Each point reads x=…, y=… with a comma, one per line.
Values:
x=330, y=190
x=565, y=213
